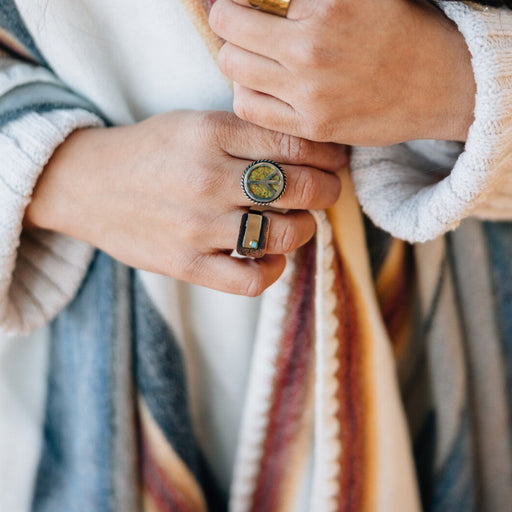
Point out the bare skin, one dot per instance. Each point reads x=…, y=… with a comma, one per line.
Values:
x=359, y=72
x=164, y=195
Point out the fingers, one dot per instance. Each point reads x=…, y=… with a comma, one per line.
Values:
x=287, y=232
x=250, y=29
x=250, y=142
x=246, y=276
x=273, y=114
x=252, y=70
x=307, y=188
x=234, y=275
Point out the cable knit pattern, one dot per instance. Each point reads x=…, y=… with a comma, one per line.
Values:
x=39, y=271
x=408, y=189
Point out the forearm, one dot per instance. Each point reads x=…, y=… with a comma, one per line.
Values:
x=441, y=101
x=72, y=185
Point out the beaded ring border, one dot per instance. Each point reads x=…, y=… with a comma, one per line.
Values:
x=263, y=182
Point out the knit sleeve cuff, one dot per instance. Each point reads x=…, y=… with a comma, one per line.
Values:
x=40, y=271
x=413, y=190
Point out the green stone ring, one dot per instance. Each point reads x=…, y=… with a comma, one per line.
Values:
x=263, y=182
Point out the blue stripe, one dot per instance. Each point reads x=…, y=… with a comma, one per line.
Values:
x=75, y=468
x=499, y=238
x=42, y=97
x=455, y=486
x=35, y=97
x=77, y=463
x=424, y=455
x=160, y=377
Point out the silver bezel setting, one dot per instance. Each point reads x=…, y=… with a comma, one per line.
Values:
x=276, y=193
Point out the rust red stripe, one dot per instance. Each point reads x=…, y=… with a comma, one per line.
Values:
x=165, y=495
x=350, y=376
x=290, y=386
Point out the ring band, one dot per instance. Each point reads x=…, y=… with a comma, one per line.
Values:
x=252, y=239
x=278, y=7
x=263, y=182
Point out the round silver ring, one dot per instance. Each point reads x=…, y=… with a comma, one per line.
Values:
x=263, y=182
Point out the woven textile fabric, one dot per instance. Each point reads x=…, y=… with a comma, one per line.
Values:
x=381, y=381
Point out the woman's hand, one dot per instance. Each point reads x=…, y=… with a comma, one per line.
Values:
x=362, y=72
x=164, y=195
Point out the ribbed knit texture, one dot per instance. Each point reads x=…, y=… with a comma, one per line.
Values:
x=420, y=190
x=39, y=271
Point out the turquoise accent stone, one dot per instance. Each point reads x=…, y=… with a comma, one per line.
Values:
x=254, y=244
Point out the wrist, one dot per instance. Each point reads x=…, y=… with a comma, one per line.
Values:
x=448, y=104
x=57, y=200
x=459, y=104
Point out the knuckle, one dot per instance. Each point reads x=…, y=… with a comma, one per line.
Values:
x=289, y=238
x=326, y=9
x=207, y=127
x=218, y=127
x=305, y=190
x=313, y=93
x=225, y=60
x=217, y=18
x=310, y=52
x=294, y=149
x=319, y=129
x=192, y=230
x=242, y=109
x=187, y=266
x=253, y=284
x=203, y=183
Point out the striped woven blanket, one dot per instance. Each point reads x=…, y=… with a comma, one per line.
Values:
x=381, y=378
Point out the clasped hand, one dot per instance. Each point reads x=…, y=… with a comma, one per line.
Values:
x=360, y=72
x=164, y=195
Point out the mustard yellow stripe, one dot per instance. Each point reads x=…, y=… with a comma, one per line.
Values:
x=392, y=266
x=395, y=270
x=170, y=463
x=403, y=337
